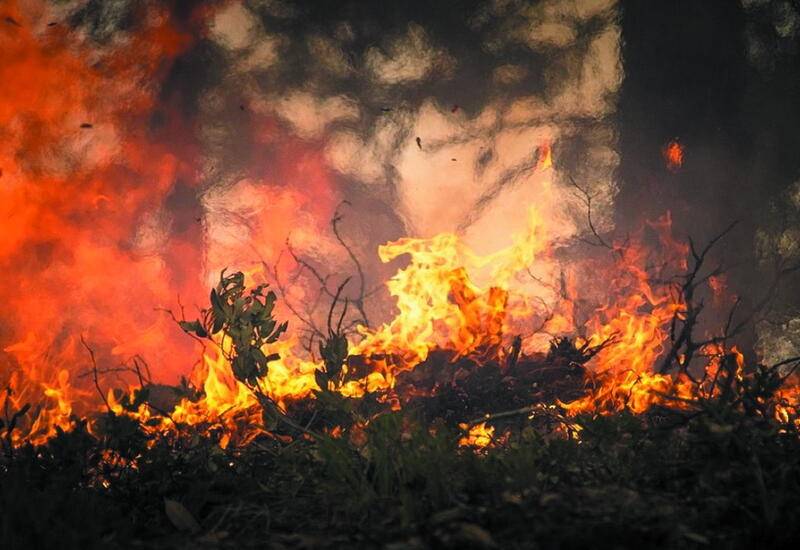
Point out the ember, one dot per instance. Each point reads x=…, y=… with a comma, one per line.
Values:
x=673, y=154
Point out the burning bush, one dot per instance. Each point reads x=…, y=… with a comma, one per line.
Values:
x=458, y=432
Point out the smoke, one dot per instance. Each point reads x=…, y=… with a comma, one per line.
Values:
x=772, y=38
x=93, y=239
x=147, y=147
x=367, y=95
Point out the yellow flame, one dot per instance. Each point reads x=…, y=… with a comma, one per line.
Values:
x=437, y=304
x=479, y=435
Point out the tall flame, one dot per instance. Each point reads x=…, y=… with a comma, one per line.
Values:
x=437, y=303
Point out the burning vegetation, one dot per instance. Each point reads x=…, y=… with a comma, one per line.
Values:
x=454, y=349
x=464, y=375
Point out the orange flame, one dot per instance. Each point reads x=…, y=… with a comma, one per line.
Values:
x=673, y=154
x=80, y=196
x=437, y=303
x=439, y=306
x=479, y=435
x=545, y=157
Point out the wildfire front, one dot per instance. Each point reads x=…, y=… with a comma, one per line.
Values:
x=494, y=275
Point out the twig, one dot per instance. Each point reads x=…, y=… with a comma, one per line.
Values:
x=359, y=302
x=333, y=306
x=683, y=340
x=539, y=407
x=282, y=289
x=676, y=398
x=178, y=321
x=505, y=414
x=513, y=357
x=587, y=200
x=94, y=372
x=11, y=423
x=268, y=402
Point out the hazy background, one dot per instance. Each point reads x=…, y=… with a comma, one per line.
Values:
x=155, y=143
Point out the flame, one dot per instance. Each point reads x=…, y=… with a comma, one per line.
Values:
x=479, y=435
x=82, y=184
x=438, y=306
x=787, y=408
x=441, y=306
x=673, y=154
x=545, y=157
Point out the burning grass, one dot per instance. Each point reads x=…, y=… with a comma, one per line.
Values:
x=454, y=425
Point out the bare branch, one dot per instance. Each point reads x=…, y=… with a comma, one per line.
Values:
x=94, y=371
x=359, y=302
x=587, y=200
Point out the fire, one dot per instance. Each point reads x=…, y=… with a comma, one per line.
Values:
x=438, y=306
x=788, y=405
x=673, y=154
x=448, y=298
x=479, y=435
x=82, y=184
x=441, y=306
x=545, y=157
x=87, y=241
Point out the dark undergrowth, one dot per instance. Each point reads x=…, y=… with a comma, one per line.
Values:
x=717, y=472
x=721, y=478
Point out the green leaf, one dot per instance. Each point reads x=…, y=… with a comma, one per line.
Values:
x=267, y=327
x=341, y=348
x=258, y=355
x=277, y=334
x=195, y=327
x=256, y=310
x=321, y=379
x=216, y=301
x=237, y=366
x=217, y=312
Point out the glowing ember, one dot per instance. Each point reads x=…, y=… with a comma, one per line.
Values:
x=545, y=157
x=673, y=154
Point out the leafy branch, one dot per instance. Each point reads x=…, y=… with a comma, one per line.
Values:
x=241, y=324
x=333, y=348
